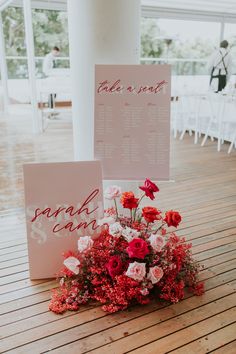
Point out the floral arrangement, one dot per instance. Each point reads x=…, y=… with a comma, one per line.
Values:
x=132, y=261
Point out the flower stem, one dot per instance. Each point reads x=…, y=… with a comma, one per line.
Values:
x=117, y=217
x=160, y=227
x=135, y=211
x=147, y=227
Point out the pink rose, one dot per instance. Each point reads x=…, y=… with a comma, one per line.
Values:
x=136, y=271
x=112, y=192
x=72, y=264
x=157, y=242
x=85, y=243
x=155, y=274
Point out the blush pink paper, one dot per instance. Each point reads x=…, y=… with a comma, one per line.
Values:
x=53, y=185
x=132, y=124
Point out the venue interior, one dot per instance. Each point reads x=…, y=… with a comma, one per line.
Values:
x=202, y=183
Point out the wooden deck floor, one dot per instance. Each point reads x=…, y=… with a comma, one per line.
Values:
x=205, y=193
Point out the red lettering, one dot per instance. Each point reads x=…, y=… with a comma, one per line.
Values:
x=58, y=211
x=152, y=89
x=130, y=89
x=36, y=215
x=109, y=88
x=70, y=226
x=47, y=213
x=86, y=202
x=70, y=210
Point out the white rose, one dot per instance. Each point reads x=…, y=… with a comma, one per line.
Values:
x=115, y=229
x=72, y=264
x=136, y=271
x=129, y=233
x=106, y=220
x=144, y=291
x=84, y=243
x=157, y=242
x=112, y=192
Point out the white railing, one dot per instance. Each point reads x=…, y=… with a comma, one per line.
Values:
x=180, y=66
x=22, y=57
x=171, y=60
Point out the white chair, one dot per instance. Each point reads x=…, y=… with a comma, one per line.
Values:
x=216, y=106
x=191, y=105
x=222, y=123
x=174, y=114
x=228, y=122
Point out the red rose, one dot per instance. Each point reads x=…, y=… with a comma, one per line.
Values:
x=114, y=266
x=128, y=200
x=138, y=248
x=172, y=218
x=149, y=188
x=151, y=214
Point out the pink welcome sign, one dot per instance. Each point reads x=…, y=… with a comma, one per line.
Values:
x=132, y=121
x=63, y=202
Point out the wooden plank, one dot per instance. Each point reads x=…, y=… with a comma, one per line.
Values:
x=13, y=262
x=226, y=349
x=21, y=293
x=14, y=255
x=213, y=244
x=21, y=284
x=220, y=259
x=194, y=240
x=132, y=334
x=14, y=269
x=204, y=192
x=8, y=279
x=185, y=335
x=210, y=342
x=215, y=251
x=10, y=250
x=101, y=324
x=7, y=244
x=24, y=302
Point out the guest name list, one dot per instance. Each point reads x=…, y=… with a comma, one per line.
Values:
x=132, y=121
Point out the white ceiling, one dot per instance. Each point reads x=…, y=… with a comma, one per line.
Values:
x=47, y=4
x=217, y=7
x=220, y=6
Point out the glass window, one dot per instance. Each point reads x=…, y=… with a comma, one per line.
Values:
x=187, y=45
x=50, y=29
x=230, y=36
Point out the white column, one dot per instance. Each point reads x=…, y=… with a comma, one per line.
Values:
x=100, y=32
x=29, y=37
x=3, y=67
x=222, y=30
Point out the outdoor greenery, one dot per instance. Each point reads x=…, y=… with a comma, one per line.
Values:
x=156, y=44
x=50, y=29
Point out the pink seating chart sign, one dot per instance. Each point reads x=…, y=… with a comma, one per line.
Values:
x=63, y=202
x=132, y=121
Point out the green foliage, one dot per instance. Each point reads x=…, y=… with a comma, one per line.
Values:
x=151, y=46
x=14, y=31
x=50, y=29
